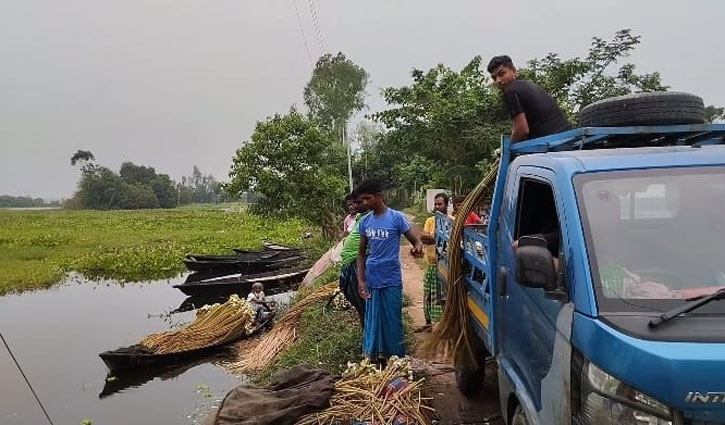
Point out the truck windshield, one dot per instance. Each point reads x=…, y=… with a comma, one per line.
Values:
x=654, y=237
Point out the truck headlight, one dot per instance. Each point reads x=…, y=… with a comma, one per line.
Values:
x=605, y=400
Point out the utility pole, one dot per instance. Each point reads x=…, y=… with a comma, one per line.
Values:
x=349, y=155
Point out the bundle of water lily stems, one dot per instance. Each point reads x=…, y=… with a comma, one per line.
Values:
x=214, y=324
x=452, y=333
x=282, y=334
x=368, y=395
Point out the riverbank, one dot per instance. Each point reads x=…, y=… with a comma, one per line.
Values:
x=39, y=248
x=330, y=339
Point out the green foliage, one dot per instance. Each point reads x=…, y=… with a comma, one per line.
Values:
x=420, y=215
x=201, y=189
x=577, y=82
x=7, y=201
x=134, y=187
x=137, y=196
x=713, y=113
x=136, y=174
x=38, y=248
x=294, y=167
x=378, y=157
x=442, y=125
x=335, y=91
x=81, y=156
x=442, y=129
x=163, y=189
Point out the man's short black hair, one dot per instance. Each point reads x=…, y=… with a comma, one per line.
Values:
x=443, y=195
x=370, y=187
x=497, y=61
x=350, y=196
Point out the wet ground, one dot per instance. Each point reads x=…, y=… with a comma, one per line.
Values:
x=56, y=335
x=451, y=407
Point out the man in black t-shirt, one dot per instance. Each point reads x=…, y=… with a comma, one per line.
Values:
x=533, y=111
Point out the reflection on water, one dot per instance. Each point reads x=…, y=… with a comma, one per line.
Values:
x=56, y=335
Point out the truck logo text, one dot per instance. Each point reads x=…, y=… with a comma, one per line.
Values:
x=708, y=397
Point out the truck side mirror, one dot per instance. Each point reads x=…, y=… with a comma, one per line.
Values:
x=535, y=264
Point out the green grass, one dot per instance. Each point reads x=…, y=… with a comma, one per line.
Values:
x=38, y=248
x=329, y=339
x=419, y=215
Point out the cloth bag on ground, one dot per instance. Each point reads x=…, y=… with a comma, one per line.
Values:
x=292, y=394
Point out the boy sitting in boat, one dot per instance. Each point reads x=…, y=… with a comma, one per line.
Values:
x=259, y=302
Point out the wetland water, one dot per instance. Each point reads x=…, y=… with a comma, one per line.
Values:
x=56, y=335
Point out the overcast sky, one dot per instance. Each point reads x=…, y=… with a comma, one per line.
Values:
x=177, y=83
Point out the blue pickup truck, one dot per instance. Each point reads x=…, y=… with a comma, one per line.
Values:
x=596, y=284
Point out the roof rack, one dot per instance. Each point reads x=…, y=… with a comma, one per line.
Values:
x=613, y=137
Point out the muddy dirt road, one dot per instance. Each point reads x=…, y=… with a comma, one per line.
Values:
x=451, y=407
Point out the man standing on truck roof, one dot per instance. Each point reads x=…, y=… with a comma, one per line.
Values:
x=379, y=273
x=533, y=111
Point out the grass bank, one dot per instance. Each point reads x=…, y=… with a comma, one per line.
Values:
x=38, y=248
x=329, y=338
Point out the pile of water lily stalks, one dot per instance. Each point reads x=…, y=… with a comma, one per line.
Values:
x=214, y=324
x=452, y=333
x=368, y=395
x=282, y=335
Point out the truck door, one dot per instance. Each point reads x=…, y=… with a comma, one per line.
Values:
x=528, y=360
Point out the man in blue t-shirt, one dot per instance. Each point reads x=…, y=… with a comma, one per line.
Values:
x=379, y=275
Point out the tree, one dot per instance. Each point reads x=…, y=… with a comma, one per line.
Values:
x=132, y=173
x=713, y=113
x=294, y=166
x=335, y=91
x=137, y=196
x=163, y=189
x=577, y=82
x=7, y=201
x=100, y=188
x=454, y=119
x=200, y=188
x=82, y=156
x=450, y=119
x=134, y=187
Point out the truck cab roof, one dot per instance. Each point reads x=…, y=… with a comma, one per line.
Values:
x=594, y=149
x=575, y=162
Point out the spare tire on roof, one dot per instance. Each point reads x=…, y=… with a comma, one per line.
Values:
x=655, y=108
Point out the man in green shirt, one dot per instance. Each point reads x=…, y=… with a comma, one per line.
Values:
x=348, y=273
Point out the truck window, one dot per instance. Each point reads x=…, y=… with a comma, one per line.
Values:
x=654, y=236
x=536, y=213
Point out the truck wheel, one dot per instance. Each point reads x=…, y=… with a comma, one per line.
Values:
x=469, y=383
x=655, y=108
x=519, y=417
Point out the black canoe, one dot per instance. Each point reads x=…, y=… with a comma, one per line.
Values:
x=268, y=246
x=242, y=284
x=119, y=381
x=138, y=356
x=271, y=261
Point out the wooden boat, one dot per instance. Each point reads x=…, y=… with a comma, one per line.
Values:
x=134, y=378
x=268, y=246
x=255, y=263
x=138, y=356
x=240, y=283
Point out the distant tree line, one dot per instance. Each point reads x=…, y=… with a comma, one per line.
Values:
x=201, y=189
x=138, y=187
x=7, y=201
